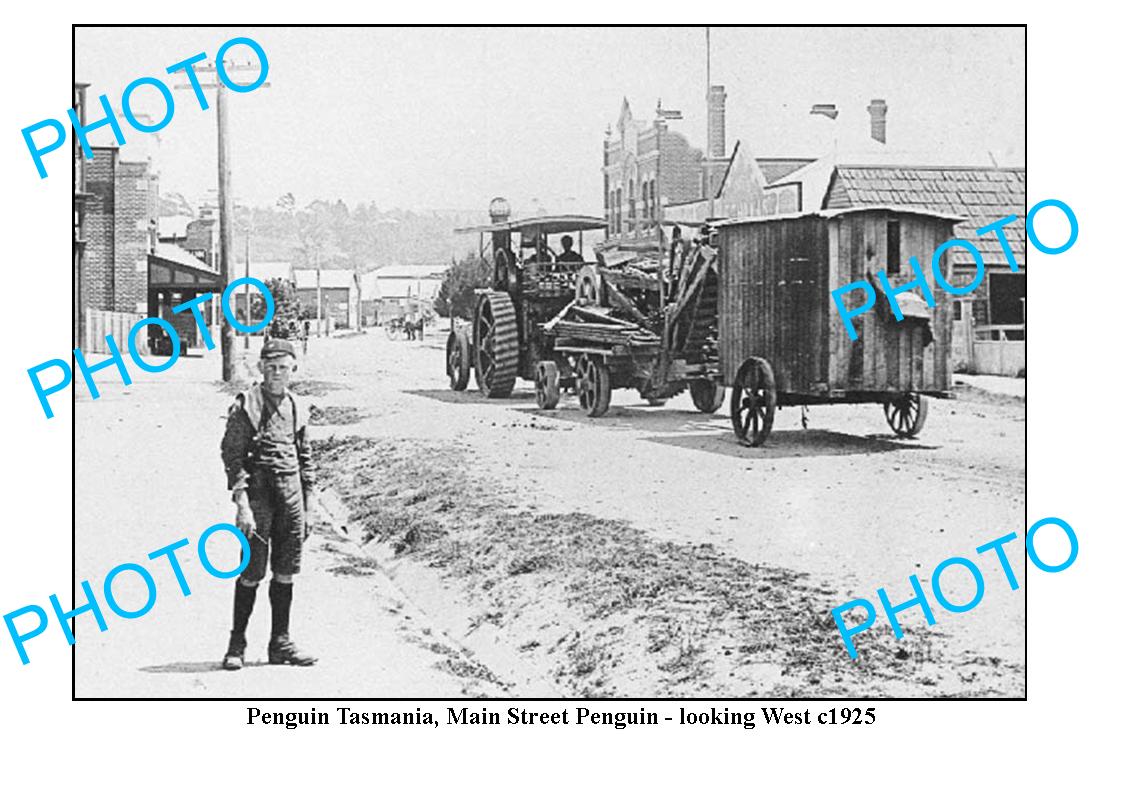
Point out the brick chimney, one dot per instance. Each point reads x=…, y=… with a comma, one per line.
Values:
x=878, y=111
x=715, y=121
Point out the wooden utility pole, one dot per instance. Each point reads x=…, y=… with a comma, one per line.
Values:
x=226, y=264
x=319, y=299
x=246, y=288
x=225, y=227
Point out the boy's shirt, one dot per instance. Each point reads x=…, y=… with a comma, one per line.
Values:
x=282, y=444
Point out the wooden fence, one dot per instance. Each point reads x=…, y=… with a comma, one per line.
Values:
x=100, y=323
x=1000, y=349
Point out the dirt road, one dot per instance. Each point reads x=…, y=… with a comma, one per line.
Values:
x=147, y=473
x=645, y=553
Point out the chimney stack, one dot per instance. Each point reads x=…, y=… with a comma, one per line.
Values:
x=878, y=110
x=715, y=126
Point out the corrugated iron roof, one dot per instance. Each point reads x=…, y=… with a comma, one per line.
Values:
x=977, y=194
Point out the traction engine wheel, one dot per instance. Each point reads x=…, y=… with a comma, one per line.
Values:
x=906, y=415
x=708, y=396
x=458, y=358
x=547, y=389
x=754, y=402
x=593, y=385
x=497, y=344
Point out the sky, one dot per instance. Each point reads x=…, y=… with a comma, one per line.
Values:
x=447, y=118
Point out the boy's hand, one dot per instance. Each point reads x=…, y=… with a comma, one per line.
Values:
x=244, y=516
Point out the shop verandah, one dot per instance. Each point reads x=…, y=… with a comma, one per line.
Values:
x=175, y=277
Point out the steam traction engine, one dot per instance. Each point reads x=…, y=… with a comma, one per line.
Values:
x=566, y=322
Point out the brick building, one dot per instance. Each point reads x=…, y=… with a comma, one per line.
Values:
x=79, y=220
x=201, y=237
x=647, y=165
x=121, y=211
x=648, y=168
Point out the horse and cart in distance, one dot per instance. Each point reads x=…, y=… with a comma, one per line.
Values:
x=745, y=304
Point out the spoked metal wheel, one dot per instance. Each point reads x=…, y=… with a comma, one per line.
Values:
x=393, y=331
x=458, y=358
x=906, y=415
x=754, y=401
x=547, y=389
x=593, y=385
x=497, y=344
x=708, y=396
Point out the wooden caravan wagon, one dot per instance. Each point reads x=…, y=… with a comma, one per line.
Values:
x=782, y=341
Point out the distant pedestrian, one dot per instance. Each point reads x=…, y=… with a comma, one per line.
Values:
x=269, y=471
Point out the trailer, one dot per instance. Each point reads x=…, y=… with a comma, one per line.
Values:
x=781, y=340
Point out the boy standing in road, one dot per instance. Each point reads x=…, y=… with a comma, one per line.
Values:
x=269, y=471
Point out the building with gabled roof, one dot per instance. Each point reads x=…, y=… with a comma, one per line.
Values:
x=338, y=291
x=400, y=291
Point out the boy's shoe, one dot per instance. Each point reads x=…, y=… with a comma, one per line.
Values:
x=235, y=653
x=282, y=650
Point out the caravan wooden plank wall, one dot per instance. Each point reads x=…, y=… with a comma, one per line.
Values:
x=776, y=278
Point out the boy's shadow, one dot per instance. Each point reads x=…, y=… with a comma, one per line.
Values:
x=193, y=667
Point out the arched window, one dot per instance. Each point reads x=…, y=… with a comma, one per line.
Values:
x=631, y=205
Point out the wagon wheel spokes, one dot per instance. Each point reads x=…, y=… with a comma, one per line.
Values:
x=584, y=385
x=754, y=401
x=547, y=390
x=459, y=359
x=906, y=414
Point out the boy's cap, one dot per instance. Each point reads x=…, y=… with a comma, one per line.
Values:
x=277, y=347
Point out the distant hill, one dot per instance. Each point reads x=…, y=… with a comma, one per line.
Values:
x=361, y=238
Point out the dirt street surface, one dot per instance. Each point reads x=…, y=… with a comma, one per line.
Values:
x=148, y=473
x=478, y=547
x=645, y=553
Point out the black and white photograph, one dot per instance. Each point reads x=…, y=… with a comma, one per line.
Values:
x=549, y=362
